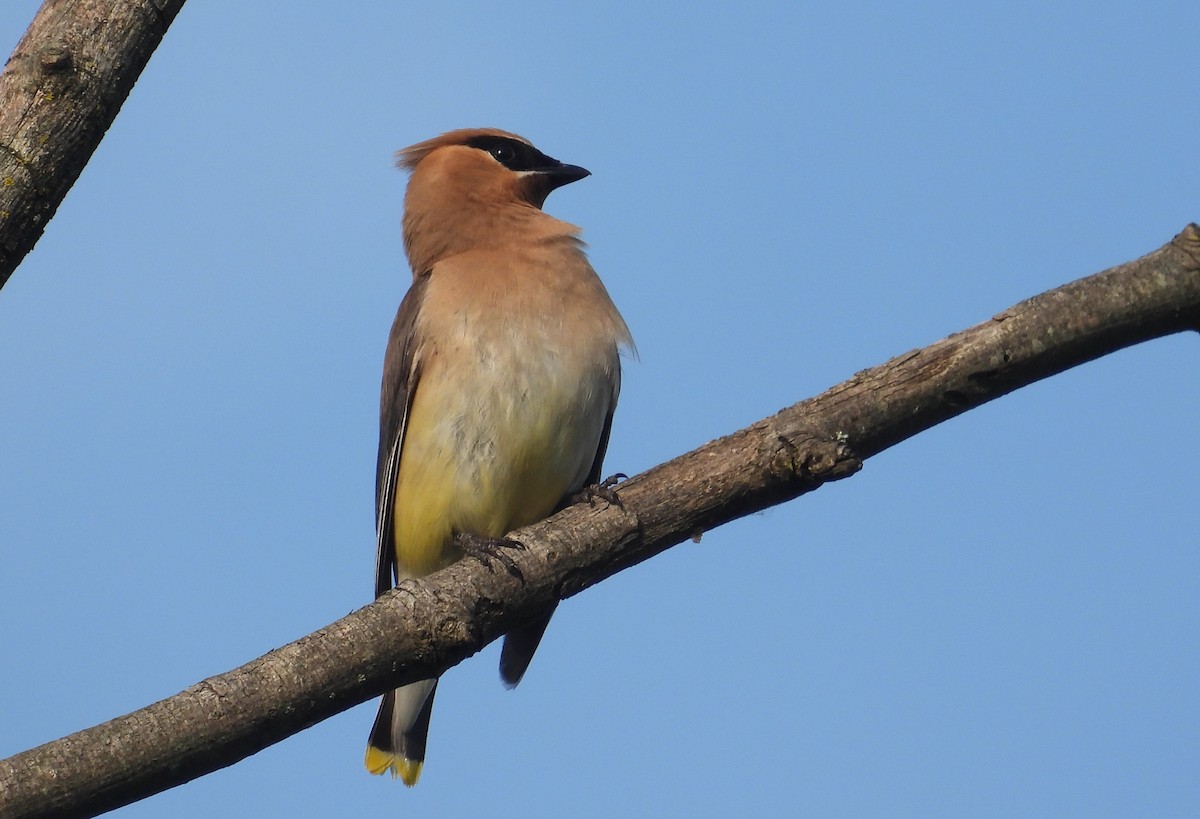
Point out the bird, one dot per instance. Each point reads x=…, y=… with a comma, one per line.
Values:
x=500, y=379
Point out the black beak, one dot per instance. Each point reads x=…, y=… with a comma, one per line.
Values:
x=558, y=175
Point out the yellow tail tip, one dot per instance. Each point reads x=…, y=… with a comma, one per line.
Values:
x=408, y=770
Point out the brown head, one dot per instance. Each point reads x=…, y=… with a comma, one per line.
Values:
x=475, y=187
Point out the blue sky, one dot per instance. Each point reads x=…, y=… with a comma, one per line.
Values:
x=996, y=618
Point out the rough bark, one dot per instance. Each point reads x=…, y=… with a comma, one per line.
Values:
x=423, y=627
x=59, y=93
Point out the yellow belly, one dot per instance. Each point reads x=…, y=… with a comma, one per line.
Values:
x=490, y=449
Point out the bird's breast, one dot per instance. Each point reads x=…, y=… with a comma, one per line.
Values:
x=516, y=383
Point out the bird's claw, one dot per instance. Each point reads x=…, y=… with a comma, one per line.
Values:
x=490, y=550
x=604, y=490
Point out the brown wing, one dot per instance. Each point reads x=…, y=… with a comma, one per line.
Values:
x=593, y=477
x=400, y=376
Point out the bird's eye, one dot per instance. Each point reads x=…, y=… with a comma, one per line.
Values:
x=503, y=153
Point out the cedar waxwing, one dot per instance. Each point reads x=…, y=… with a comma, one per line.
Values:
x=499, y=382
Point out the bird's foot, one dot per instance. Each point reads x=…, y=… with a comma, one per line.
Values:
x=490, y=550
x=605, y=490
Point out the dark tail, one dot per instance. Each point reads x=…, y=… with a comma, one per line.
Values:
x=397, y=741
x=519, y=646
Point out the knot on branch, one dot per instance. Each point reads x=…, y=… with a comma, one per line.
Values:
x=55, y=59
x=815, y=460
x=1188, y=241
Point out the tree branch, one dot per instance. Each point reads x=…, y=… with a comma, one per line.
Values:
x=59, y=93
x=424, y=627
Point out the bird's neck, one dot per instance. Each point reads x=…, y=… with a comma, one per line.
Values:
x=440, y=230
